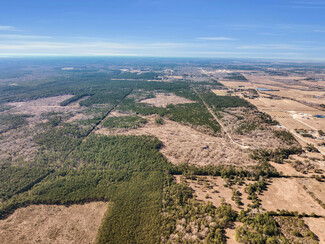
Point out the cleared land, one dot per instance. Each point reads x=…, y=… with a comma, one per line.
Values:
x=162, y=100
x=314, y=186
x=182, y=144
x=288, y=194
x=53, y=224
x=317, y=225
x=212, y=189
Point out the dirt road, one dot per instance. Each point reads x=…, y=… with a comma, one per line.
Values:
x=220, y=123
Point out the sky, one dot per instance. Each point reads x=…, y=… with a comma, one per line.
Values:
x=268, y=29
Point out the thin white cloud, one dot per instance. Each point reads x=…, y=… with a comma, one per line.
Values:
x=216, y=38
x=269, y=47
x=245, y=27
x=37, y=47
x=7, y=28
x=308, y=4
x=21, y=37
x=272, y=47
x=87, y=46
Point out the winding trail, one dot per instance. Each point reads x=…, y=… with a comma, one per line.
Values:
x=219, y=122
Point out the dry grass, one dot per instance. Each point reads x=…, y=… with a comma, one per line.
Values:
x=295, y=230
x=163, y=99
x=260, y=137
x=53, y=224
x=183, y=144
x=317, y=225
x=17, y=144
x=288, y=194
x=314, y=186
x=213, y=189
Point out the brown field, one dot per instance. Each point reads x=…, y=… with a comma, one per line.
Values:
x=236, y=84
x=314, y=186
x=288, y=194
x=286, y=169
x=220, y=92
x=183, y=144
x=317, y=225
x=293, y=115
x=53, y=224
x=214, y=188
x=290, y=87
x=291, y=225
x=163, y=99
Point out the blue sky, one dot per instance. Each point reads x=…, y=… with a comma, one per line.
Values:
x=284, y=29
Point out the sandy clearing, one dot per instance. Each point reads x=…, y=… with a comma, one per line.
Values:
x=118, y=114
x=236, y=84
x=220, y=92
x=314, y=186
x=284, y=105
x=216, y=191
x=317, y=225
x=47, y=101
x=231, y=233
x=286, y=169
x=163, y=99
x=53, y=224
x=183, y=144
x=288, y=194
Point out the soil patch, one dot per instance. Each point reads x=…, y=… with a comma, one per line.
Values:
x=183, y=144
x=317, y=225
x=212, y=189
x=53, y=224
x=163, y=99
x=288, y=194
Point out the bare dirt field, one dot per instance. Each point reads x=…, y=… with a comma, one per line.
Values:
x=183, y=144
x=163, y=99
x=220, y=92
x=314, y=186
x=317, y=225
x=212, y=189
x=53, y=224
x=293, y=115
x=236, y=84
x=286, y=169
x=288, y=194
x=293, y=87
